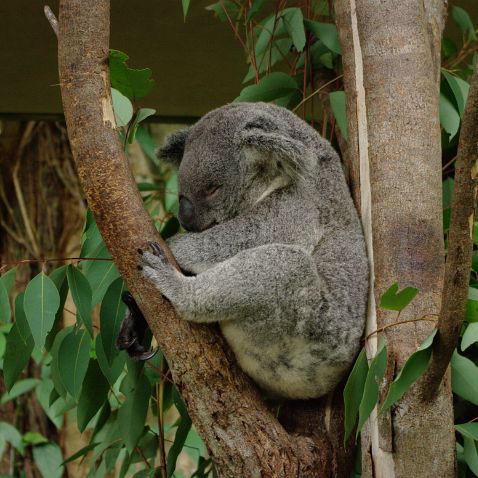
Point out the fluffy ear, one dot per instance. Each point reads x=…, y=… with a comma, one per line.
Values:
x=289, y=156
x=173, y=149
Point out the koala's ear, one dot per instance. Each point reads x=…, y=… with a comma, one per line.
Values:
x=290, y=156
x=173, y=149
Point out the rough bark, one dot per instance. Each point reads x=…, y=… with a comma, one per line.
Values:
x=242, y=435
x=391, y=57
x=460, y=245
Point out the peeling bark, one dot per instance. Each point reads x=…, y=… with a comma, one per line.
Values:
x=242, y=435
x=391, y=61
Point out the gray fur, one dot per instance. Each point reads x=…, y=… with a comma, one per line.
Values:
x=280, y=259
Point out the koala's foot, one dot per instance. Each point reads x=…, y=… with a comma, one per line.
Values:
x=156, y=268
x=133, y=329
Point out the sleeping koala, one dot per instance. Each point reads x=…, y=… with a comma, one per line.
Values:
x=274, y=249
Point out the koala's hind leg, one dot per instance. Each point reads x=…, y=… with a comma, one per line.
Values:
x=258, y=281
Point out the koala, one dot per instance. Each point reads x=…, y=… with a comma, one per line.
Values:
x=274, y=250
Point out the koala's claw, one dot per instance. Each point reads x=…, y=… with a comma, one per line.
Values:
x=156, y=248
x=146, y=355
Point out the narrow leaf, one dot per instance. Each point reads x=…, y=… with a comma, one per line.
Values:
x=113, y=371
x=94, y=392
x=8, y=279
x=73, y=358
x=82, y=452
x=19, y=345
x=294, y=24
x=132, y=414
x=21, y=387
x=337, y=103
x=375, y=374
x=81, y=293
x=54, y=367
x=111, y=315
x=464, y=378
x=463, y=20
x=470, y=454
x=353, y=392
x=41, y=302
x=449, y=116
x=5, y=311
x=413, y=368
x=185, y=5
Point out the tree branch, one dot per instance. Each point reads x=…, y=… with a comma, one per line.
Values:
x=460, y=246
x=243, y=437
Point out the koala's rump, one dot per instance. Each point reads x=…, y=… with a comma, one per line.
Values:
x=290, y=367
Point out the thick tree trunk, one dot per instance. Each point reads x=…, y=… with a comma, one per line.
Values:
x=391, y=61
x=242, y=435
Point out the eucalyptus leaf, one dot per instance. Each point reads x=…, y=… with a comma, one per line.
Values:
x=48, y=458
x=337, y=103
x=8, y=279
x=394, y=300
x=469, y=429
x=271, y=87
x=375, y=374
x=122, y=108
x=464, y=378
x=81, y=293
x=41, y=302
x=470, y=336
x=294, y=24
x=460, y=90
x=449, y=116
x=5, y=311
x=326, y=33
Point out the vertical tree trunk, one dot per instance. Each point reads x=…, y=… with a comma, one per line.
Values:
x=391, y=66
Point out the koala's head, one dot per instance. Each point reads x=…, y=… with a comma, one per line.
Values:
x=235, y=157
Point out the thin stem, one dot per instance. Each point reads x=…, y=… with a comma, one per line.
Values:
x=381, y=329
x=318, y=90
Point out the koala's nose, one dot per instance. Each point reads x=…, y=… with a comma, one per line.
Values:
x=186, y=214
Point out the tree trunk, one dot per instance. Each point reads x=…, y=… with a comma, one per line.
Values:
x=391, y=71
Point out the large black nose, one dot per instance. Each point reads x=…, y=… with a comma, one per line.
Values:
x=186, y=214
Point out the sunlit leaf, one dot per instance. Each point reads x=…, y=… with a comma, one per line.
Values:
x=41, y=302
x=185, y=5
x=122, y=108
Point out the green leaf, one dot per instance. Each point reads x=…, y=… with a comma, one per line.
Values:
x=132, y=414
x=375, y=374
x=464, y=378
x=460, y=90
x=231, y=8
x=469, y=430
x=337, y=103
x=181, y=434
x=470, y=454
x=185, y=5
x=5, y=311
x=294, y=24
x=111, y=372
x=447, y=187
x=130, y=82
x=449, y=116
x=470, y=336
x=111, y=316
x=41, y=302
x=48, y=459
x=269, y=29
x=122, y=108
x=413, y=368
x=271, y=87
x=19, y=388
x=353, y=392
x=256, y=7
x=100, y=274
x=12, y=436
x=141, y=115
x=19, y=345
x=171, y=194
x=82, y=452
x=8, y=279
x=394, y=300
x=58, y=276
x=54, y=368
x=34, y=438
x=81, y=293
x=94, y=392
x=147, y=144
x=73, y=358
x=326, y=33
x=463, y=20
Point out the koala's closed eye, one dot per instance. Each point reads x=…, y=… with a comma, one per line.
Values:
x=213, y=190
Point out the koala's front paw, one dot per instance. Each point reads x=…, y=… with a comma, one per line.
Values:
x=156, y=268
